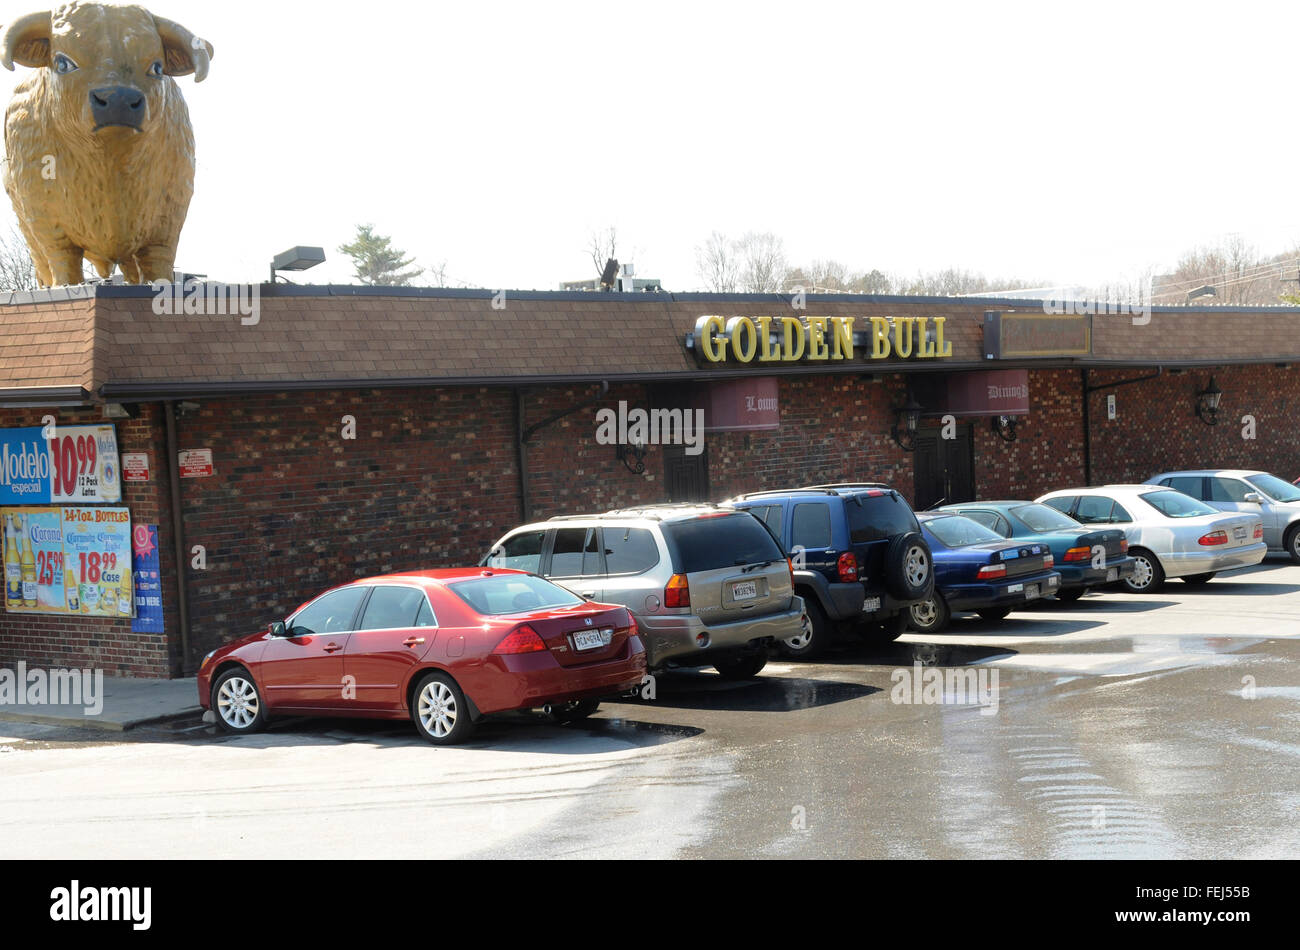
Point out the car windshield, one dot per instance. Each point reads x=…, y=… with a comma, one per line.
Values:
x=1174, y=504
x=1275, y=488
x=957, y=532
x=511, y=594
x=713, y=542
x=1042, y=518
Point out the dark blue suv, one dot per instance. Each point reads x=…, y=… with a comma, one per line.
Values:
x=859, y=558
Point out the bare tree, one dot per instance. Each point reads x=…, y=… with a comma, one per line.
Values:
x=763, y=267
x=603, y=248
x=715, y=261
x=17, y=272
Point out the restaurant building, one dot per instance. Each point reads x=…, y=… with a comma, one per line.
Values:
x=261, y=454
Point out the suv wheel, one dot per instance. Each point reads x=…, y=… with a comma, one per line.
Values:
x=910, y=567
x=930, y=615
x=811, y=640
x=743, y=667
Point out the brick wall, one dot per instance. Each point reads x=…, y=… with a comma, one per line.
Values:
x=1156, y=428
x=102, y=642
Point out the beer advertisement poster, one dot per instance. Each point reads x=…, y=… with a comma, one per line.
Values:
x=68, y=561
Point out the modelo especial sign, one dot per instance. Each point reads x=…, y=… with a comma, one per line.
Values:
x=75, y=465
x=791, y=339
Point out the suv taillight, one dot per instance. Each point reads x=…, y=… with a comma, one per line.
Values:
x=1213, y=538
x=523, y=639
x=847, y=565
x=677, y=593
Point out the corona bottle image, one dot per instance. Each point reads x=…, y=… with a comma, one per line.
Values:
x=13, y=567
x=27, y=559
x=70, y=590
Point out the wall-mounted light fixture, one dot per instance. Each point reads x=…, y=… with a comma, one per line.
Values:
x=1207, y=403
x=1004, y=427
x=903, y=431
x=632, y=456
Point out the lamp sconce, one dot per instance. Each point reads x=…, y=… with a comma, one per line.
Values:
x=1207, y=403
x=632, y=456
x=903, y=431
x=1004, y=427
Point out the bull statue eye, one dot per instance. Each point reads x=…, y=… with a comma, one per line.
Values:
x=62, y=64
x=156, y=70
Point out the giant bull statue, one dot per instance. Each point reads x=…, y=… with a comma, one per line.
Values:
x=99, y=146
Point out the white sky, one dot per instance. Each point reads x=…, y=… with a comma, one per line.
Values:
x=1073, y=143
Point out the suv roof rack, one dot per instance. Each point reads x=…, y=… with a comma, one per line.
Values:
x=834, y=485
x=832, y=488
x=652, y=510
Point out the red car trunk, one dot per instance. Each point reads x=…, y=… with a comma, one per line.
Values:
x=582, y=633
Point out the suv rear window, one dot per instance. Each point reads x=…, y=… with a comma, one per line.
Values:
x=714, y=542
x=629, y=550
x=879, y=517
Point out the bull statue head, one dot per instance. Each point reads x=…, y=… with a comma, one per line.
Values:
x=101, y=153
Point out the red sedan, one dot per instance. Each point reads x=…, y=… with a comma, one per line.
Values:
x=444, y=648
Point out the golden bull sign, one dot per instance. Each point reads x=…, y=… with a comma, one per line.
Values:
x=791, y=339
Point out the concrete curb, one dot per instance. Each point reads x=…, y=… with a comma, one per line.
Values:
x=97, y=722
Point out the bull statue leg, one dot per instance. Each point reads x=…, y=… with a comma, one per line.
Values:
x=150, y=263
x=64, y=265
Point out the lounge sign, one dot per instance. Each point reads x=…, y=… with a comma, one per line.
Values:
x=819, y=339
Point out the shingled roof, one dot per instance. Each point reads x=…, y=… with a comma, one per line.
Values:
x=112, y=342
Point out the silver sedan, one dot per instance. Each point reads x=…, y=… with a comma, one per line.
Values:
x=1169, y=534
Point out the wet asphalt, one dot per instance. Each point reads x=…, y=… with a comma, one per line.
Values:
x=1121, y=726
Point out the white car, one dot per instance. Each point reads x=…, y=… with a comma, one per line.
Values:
x=1242, y=490
x=1169, y=534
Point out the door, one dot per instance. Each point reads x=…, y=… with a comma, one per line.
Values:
x=396, y=630
x=576, y=563
x=305, y=669
x=943, y=469
x=1229, y=494
x=686, y=477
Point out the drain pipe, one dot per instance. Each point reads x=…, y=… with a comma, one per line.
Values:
x=178, y=532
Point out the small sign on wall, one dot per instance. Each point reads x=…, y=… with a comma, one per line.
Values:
x=135, y=467
x=195, y=463
x=1110, y=407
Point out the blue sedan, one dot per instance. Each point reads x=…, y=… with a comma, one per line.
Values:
x=976, y=569
x=1086, y=557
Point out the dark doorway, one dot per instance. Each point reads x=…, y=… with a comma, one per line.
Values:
x=944, y=468
x=686, y=476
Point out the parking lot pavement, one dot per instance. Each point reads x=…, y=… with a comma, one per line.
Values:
x=1121, y=726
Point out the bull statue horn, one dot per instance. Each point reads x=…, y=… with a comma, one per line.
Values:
x=183, y=52
x=27, y=40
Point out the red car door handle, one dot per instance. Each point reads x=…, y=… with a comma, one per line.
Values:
x=333, y=648
x=412, y=641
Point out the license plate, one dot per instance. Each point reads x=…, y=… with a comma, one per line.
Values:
x=1112, y=574
x=870, y=605
x=1015, y=588
x=1240, y=532
x=592, y=639
x=747, y=590
x=1031, y=592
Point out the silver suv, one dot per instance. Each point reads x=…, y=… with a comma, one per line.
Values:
x=708, y=586
x=1276, y=501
